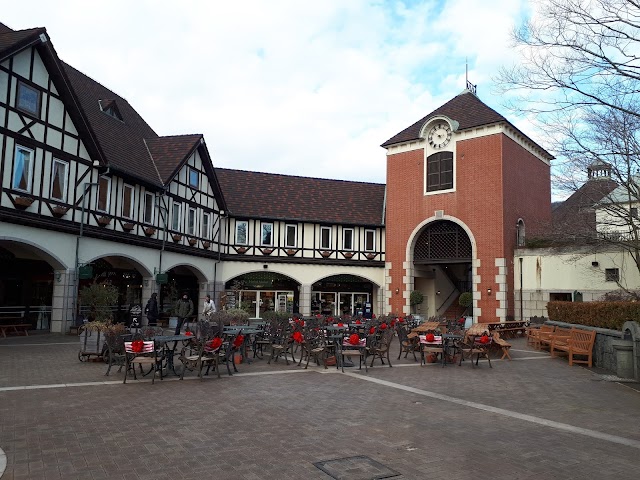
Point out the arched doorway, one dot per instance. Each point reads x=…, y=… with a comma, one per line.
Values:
x=28, y=276
x=181, y=279
x=341, y=295
x=442, y=268
x=259, y=292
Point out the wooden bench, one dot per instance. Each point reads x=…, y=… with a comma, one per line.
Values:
x=580, y=342
x=502, y=344
x=15, y=327
x=559, y=334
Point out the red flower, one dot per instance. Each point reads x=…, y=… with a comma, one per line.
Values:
x=188, y=333
x=461, y=321
x=354, y=339
x=484, y=338
x=393, y=323
x=373, y=316
x=401, y=320
x=358, y=322
x=215, y=344
x=383, y=326
x=372, y=330
x=430, y=337
x=238, y=341
x=137, y=346
x=341, y=324
x=297, y=336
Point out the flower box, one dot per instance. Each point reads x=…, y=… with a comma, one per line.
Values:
x=206, y=244
x=91, y=342
x=267, y=251
x=241, y=249
x=371, y=256
x=291, y=252
x=193, y=242
x=59, y=211
x=128, y=226
x=347, y=254
x=325, y=253
x=104, y=220
x=22, y=202
x=148, y=231
x=176, y=237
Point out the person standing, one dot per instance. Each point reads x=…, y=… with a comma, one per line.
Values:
x=183, y=310
x=152, y=310
x=209, y=308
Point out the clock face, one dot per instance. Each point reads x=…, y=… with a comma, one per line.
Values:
x=439, y=135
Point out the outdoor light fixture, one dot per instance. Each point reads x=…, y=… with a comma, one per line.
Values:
x=438, y=292
x=489, y=291
x=58, y=276
x=397, y=291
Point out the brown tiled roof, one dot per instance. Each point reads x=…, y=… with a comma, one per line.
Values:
x=576, y=215
x=286, y=197
x=11, y=40
x=466, y=109
x=168, y=152
x=121, y=142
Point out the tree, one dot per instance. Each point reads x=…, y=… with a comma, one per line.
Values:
x=578, y=81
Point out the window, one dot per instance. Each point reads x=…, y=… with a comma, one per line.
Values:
x=22, y=169
x=59, y=177
x=191, y=221
x=194, y=178
x=266, y=237
x=127, y=201
x=149, y=200
x=175, y=216
x=205, y=225
x=242, y=227
x=612, y=275
x=369, y=240
x=104, y=194
x=325, y=238
x=291, y=235
x=28, y=99
x=347, y=239
x=440, y=171
x=520, y=237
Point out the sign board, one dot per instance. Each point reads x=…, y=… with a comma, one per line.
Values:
x=162, y=278
x=230, y=300
x=135, y=314
x=85, y=272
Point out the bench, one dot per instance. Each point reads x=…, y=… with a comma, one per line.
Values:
x=580, y=342
x=15, y=327
x=558, y=335
x=502, y=344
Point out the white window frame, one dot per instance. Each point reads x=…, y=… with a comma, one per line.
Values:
x=29, y=169
x=373, y=240
x=35, y=112
x=344, y=232
x=132, y=189
x=197, y=173
x=286, y=235
x=263, y=225
x=176, y=216
x=206, y=225
x=149, y=196
x=246, y=232
x=65, y=180
x=108, y=201
x=191, y=221
x=328, y=245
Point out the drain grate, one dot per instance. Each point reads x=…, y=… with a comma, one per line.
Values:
x=356, y=468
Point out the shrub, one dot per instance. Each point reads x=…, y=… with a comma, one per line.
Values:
x=237, y=316
x=416, y=297
x=611, y=315
x=465, y=300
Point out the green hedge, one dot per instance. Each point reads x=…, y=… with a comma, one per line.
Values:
x=611, y=315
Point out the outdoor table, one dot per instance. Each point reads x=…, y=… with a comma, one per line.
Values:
x=247, y=331
x=360, y=348
x=336, y=334
x=169, y=351
x=447, y=341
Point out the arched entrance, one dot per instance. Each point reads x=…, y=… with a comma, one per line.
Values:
x=259, y=292
x=442, y=268
x=341, y=295
x=181, y=279
x=28, y=276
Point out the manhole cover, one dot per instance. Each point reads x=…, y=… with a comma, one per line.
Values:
x=356, y=468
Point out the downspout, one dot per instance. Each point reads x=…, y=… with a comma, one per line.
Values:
x=163, y=207
x=521, y=299
x=218, y=260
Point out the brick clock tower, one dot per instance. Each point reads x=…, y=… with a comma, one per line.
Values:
x=464, y=186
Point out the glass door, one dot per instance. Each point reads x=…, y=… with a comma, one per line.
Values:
x=346, y=304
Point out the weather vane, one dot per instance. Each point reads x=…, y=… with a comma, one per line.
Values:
x=470, y=86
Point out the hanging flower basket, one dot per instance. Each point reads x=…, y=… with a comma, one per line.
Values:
x=241, y=249
x=325, y=253
x=104, y=220
x=23, y=202
x=206, y=244
x=59, y=211
x=291, y=252
x=128, y=226
x=176, y=237
x=148, y=231
x=267, y=251
x=347, y=254
x=193, y=242
x=371, y=256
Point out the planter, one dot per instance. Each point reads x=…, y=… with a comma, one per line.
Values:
x=176, y=237
x=291, y=252
x=128, y=226
x=148, y=231
x=104, y=221
x=371, y=256
x=206, y=244
x=347, y=254
x=59, y=211
x=193, y=242
x=91, y=342
x=22, y=202
x=325, y=253
x=267, y=251
x=241, y=249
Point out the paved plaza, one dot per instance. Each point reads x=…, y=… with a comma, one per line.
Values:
x=530, y=418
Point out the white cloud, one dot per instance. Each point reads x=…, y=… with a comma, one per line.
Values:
x=283, y=86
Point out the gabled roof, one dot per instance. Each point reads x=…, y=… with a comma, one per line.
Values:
x=467, y=109
x=286, y=197
x=13, y=41
x=576, y=215
x=169, y=152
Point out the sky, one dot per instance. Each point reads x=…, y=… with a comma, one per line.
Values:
x=284, y=86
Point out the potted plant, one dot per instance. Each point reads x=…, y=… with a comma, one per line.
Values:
x=466, y=300
x=415, y=300
x=98, y=298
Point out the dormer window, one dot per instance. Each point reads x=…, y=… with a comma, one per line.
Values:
x=110, y=108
